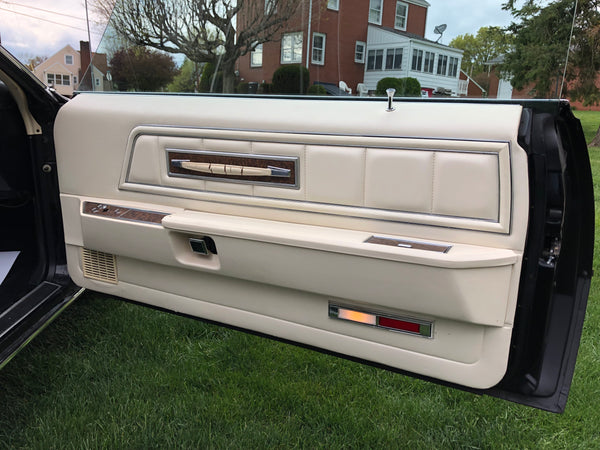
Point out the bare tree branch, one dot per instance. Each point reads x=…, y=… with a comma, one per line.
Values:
x=203, y=30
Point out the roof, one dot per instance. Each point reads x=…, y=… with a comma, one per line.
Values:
x=67, y=49
x=415, y=37
x=419, y=3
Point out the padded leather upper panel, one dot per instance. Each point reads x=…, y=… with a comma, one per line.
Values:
x=464, y=180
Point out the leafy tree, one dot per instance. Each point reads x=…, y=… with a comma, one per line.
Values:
x=188, y=78
x=541, y=40
x=203, y=30
x=585, y=60
x=211, y=81
x=141, y=69
x=543, y=37
x=487, y=44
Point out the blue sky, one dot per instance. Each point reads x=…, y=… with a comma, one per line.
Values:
x=45, y=33
x=464, y=16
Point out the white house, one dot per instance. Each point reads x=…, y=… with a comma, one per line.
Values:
x=395, y=53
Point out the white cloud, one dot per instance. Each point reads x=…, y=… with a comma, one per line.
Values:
x=29, y=31
x=26, y=36
x=464, y=16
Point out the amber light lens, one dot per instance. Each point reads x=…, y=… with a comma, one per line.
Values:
x=357, y=316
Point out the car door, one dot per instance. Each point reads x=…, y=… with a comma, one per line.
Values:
x=34, y=283
x=444, y=239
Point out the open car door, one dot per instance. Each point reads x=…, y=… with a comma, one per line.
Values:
x=449, y=240
x=34, y=283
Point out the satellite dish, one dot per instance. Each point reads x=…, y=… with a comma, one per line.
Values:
x=440, y=30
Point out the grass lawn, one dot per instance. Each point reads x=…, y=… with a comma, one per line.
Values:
x=590, y=120
x=111, y=374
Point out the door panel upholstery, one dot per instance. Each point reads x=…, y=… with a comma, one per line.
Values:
x=427, y=180
x=447, y=174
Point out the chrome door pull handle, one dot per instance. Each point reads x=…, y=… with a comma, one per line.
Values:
x=228, y=169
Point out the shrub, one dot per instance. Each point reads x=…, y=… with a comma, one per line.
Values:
x=386, y=83
x=242, y=88
x=405, y=87
x=409, y=87
x=264, y=88
x=317, y=89
x=290, y=79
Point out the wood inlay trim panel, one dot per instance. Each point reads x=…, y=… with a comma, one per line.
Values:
x=123, y=213
x=234, y=159
x=403, y=243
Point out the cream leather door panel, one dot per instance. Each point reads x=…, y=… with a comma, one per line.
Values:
x=393, y=237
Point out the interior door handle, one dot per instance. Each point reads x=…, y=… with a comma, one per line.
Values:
x=228, y=169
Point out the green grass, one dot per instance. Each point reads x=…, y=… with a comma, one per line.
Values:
x=590, y=120
x=108, y=374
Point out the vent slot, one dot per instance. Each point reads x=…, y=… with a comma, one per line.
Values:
x=99, y=266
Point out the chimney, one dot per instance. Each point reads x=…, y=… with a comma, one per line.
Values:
x=84, y=77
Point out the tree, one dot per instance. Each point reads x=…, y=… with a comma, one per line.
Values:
x=489, y=43
x=141, y=69
x=203, y=30
x=188, y=78
x=542, y=40
x=31, y=60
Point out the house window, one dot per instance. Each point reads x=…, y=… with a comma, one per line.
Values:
x=393, y=59
x=318, y=49
x=291, y=48
x=58, y=79
x=333, y=4
x=442, y=65
x=359, y=52
x=97, y=81
x=429, y=62
x=375, y=60
x=401, y=16
x=74, y=79
x=375, y=10
x=69, y=59
x=453, y=67
x=417, y=60
x=256, y=56
x=270, y=7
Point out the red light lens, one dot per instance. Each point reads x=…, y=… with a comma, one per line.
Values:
x=399, y=325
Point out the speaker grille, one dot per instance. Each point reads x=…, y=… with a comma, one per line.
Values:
x=99, y=266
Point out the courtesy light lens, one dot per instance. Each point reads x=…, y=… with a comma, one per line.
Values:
x=357, y=316
x=405, y=325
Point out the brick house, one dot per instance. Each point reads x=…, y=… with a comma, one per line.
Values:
x=358, y=41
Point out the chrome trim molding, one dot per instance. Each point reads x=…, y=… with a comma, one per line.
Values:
x=275, y=171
